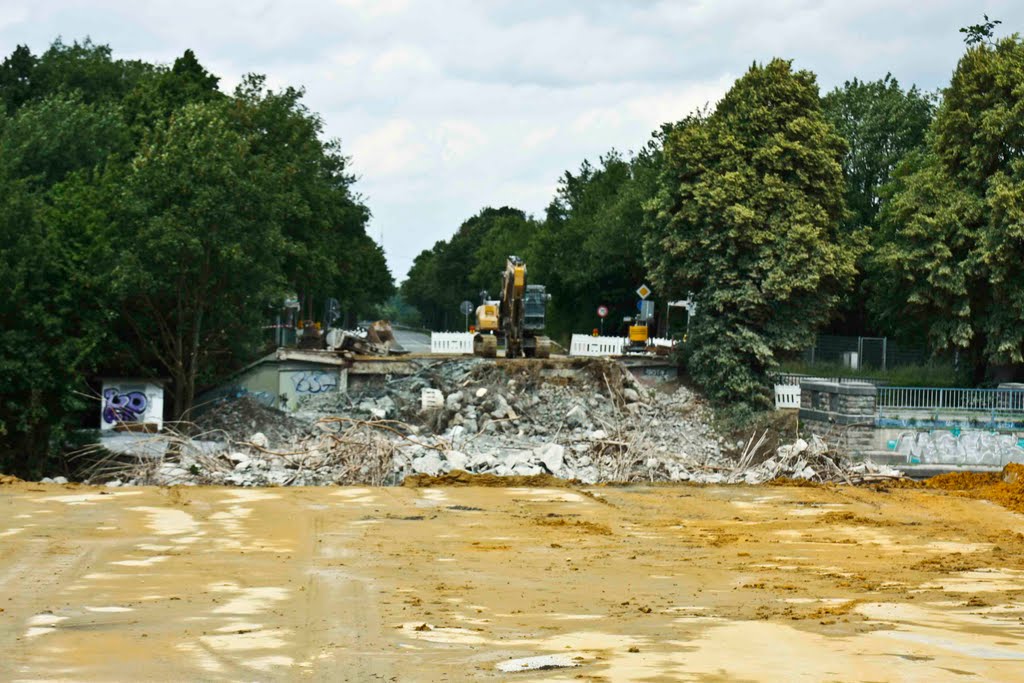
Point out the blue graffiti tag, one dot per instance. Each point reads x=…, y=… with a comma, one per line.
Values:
x=314, y=382
x=128, y=407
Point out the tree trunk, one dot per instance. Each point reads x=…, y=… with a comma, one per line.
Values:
x=976, y=357
x=181, y=403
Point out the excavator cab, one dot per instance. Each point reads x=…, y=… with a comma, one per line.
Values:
x=518, y=316
x=488, y=325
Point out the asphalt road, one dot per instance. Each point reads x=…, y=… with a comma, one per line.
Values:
x=413, y=342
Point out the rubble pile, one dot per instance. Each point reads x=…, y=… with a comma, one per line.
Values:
x=593, y=422
x=810, y=462
x=246, y=415
x=589, y=421
x=331, y=453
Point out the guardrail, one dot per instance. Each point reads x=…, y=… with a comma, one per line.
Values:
x=1009, y=402
x=794, y=379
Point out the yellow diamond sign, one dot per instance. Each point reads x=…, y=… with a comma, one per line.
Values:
x=644, y=291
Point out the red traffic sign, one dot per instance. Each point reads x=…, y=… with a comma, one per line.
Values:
x=602, y=311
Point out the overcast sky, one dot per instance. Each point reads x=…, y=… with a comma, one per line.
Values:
x=448, y=106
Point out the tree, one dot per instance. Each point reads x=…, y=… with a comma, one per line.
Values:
x=983, y=33
x=949, y=264
x=472, y=261
x=881, y=124
x=16, y=78
x=58, y=167
x=88, y=69
x=420, y=287
x=589, y=249
x=149, y=223
x=328, y=253
x=202, y=245
x=162, y=91
x=747, y=218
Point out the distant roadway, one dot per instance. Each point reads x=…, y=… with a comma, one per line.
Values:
x=413, y=342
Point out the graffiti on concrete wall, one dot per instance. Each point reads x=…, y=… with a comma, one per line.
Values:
x=118, y=406
x=314, y=382
x=960, y=448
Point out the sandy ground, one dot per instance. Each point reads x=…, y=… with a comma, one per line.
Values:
x=448, y=584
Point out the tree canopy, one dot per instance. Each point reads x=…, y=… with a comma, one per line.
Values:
x=471, y=262
x=152, y=224
x=949, y=261
x=747, y=218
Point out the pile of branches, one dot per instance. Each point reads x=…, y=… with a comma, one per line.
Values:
x=337, y=451
x=814, y=462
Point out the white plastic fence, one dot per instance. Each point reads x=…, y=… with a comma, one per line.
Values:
x=661, y=341
x=451, y=342
x=585, y=345
x=787, y=396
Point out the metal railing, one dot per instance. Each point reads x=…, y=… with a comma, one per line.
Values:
x=794, y=379
x=992, y=402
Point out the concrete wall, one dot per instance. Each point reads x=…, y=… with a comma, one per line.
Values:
x=955, y=447
x=130, y=402
x=842, y=414
x=280, y=384
x=296, y=383
x=845, y=416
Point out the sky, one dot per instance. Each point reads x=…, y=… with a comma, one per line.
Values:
x=448, y=106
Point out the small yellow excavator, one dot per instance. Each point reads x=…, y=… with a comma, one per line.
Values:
x=517, y=317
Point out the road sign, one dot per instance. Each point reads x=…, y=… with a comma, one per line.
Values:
x=643, y=291
x=602, y=311
x=465, y=307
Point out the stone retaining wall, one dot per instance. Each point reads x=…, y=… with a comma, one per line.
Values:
x=842, y=414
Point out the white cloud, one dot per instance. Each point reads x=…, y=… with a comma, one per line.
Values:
x=393, y=148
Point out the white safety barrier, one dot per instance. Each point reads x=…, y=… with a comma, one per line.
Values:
x=584, y=345
x=661, y=341
x=451, y=342
x=787, y=396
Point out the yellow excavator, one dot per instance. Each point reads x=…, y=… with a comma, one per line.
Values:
x=517, y=317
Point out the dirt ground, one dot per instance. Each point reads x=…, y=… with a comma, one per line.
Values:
x=449, y=584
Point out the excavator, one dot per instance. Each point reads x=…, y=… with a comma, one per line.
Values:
x=517, y=317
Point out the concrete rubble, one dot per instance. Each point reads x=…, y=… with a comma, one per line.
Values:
x=591, y=421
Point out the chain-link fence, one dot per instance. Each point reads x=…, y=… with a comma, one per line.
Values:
x=880, y=353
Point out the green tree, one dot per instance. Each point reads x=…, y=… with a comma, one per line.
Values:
x=949, y=262
x=149, y=223
x=161, y=91
x=88, y=69
x=589, y=249
x=748, y=219
x=328, y=253
x=472, y=261
x=16, y=78
x=58, y=162
x=201, y=246
x=881, y=124
x=421, y=287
